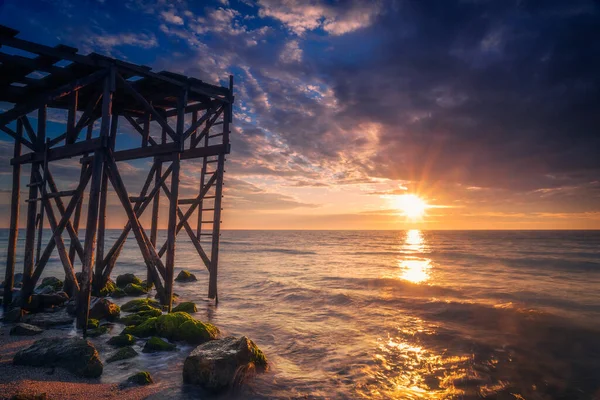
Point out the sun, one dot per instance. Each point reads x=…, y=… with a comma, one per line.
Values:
x=411, y=205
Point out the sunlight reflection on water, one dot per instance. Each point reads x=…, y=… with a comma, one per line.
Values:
x=414, y=269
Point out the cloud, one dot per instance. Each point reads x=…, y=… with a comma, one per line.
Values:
x=107, y=42
x=171, y=17
x=302, y=16
x=291, y=52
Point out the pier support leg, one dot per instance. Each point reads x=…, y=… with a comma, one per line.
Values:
x=13, y=233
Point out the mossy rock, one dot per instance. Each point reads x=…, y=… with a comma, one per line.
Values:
x=108, y=289
x=93, y=323
x=121, y=340
x=186, y=276
x=139, y=317
x=156, y=344
x=118, y=293
x=141, y=378
x=187, y=307
x=167, y=325
x=133, y=289
x=52, y=282
x=123, y=353
x=125, y=279
x=145, y=329
x=140, y=305
x=147, y=286
x=197, y=332
x=101, y=330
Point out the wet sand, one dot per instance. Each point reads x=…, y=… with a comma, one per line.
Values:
x=56, y=383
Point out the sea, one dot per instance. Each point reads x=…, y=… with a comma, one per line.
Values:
x=391, y=314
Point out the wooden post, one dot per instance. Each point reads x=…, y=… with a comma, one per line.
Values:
x=41, y=138
x=201, y=186
x=156, y=205
x=83, y=302
x=172, y=222
x=13, y=233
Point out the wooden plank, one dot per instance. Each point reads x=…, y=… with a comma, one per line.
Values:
x=13, y=233
x=41, y=138
x=29, y=129
x=139, y=129
x=18, y=138
x=72, y=115
x=25, y=108
x=206, y=129
x=145, y=152
x=62, y=152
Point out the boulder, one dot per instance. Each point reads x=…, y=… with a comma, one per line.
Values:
x=25, y=330
x=101, y=308
x=52, y=282
x=121, y=340
x=93, y=323
x=76, y=355
x=141, y=378
x=140, y=305
x=186, y=276
x=220, y=364
x=47, y=300
x=126, y=279
x=145, y=329
x=13, y=315
x=139, y=317
x=167, y=325
x=156, y=344
x=122, y=354
x=133, y=289
x=187, y=307
x=49, y=319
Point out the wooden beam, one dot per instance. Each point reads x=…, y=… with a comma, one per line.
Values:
x=62, y=152
x=29, y=129
x=72, y=115
x=18, y=138
x=41, y=138
x=139, y=129
x=13, y=233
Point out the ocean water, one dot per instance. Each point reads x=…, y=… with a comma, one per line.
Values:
x=395, y=314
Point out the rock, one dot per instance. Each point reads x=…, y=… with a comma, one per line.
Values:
x=197, y=332
x=14, y=315
x=41, y=301
x=186, y=276
x=155, y=344
x=101, y=330
x=187, y=307
x=133, y=289
x=139, y=317
x=93, y=323
x=55, y=283
x=145, y=329
x=167, y=325
x=101, y=308
x=108, y=289
x=140, y=305
x=123, y=354
x=125, y=279
x=141, y=378
x=118, y=293
x=25, y=330
x=44, y=290
x=219, y=364
x=147, y=285
x=121, y=340
x=46, y=320
x=76, y=355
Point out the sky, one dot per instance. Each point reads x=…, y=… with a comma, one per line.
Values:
x=487, y=110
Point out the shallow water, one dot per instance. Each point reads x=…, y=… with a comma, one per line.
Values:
x=401, y=315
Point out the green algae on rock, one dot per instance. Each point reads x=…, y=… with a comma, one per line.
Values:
x=121, y=340
x=145, y=329
x=140, y=305
x=141, y=378
x=139, y=317
x=196, y=332
x=101, y=330
x=93, y=323
x=133, y=289
x=187, y=307
x=123, y=353
x=155, y=344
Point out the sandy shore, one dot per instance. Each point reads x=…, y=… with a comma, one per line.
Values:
x=55, y=383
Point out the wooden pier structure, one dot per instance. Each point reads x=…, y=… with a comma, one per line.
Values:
x=95, y=93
